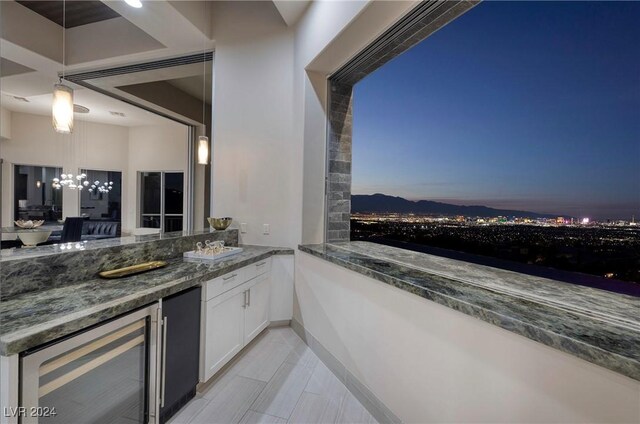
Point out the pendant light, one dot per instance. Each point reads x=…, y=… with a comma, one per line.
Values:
x=203, y=150
x=62, y=106
x=203, y=140
x=134, y=3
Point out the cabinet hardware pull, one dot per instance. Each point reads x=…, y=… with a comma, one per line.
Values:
x=260, y=264
x=164, y=359
x=229, y=277
x=249, y=301
x=244, y=299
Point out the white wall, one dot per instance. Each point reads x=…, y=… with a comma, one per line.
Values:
x=431, y=364
x=269, y=119
x=154, y=148
x=254, y=153
x=34, y=142
x=5, y=123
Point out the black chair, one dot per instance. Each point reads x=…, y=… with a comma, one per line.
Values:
x=71, y=230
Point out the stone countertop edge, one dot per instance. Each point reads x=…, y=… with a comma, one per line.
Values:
x=27, y=338
x=624, y=362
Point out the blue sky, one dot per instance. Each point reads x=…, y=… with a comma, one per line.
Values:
x=526, y=105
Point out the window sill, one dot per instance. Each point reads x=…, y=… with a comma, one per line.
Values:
x=594, y=325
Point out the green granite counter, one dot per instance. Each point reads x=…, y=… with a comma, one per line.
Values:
x=32, y=318
x=595, y=325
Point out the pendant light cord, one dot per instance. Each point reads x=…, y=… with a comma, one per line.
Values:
x=64, y=40
x=204, y=70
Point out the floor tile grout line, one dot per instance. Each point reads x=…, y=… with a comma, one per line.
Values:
x=296, y=405
x=305, y=386
x=198, y=411
x=265, y=386
x=341, y=406
x=264, y=413
x=244, y=415
x=311, y=369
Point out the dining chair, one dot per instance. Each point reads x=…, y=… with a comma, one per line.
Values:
x=72, y=229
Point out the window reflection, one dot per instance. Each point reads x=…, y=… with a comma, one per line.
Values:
x=34, y=196
x=104, y=204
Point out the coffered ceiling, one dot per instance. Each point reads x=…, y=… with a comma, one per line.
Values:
x=110, y=33
x=76, y=13
x=8, y=68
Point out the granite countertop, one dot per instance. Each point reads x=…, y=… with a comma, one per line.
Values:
x=34, y=318
x=7, y=255
x=598, y=326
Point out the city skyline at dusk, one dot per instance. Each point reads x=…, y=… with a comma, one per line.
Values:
x=516, y=105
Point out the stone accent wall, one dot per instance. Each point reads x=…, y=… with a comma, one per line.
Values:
x=339, y=163
x=421, y=22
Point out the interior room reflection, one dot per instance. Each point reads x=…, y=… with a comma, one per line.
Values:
x=117, y=174
x=35, y=197
x=102, y=200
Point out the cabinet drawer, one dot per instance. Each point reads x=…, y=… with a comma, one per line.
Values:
x=224, y=283
x=258, y=268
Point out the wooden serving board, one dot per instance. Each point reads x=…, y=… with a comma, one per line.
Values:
x=132, y=270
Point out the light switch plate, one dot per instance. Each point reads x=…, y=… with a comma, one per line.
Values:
x=265, y=229
x=243, y=227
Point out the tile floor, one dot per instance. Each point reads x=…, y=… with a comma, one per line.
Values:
x=278, y=380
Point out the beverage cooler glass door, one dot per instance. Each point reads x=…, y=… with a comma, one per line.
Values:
x=104, y=375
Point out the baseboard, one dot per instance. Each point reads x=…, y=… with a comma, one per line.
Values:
x=366, y=397
x=280, y=323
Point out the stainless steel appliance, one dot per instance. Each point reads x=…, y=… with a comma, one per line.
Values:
x=106, y=374
x=181, y=358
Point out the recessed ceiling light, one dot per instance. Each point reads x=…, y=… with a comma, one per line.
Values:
x=80, y=109
x=134, y=3
x=120, y=114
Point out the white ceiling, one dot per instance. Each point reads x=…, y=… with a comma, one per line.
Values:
x=193, y=86
x=99, y=106
x=291, y=10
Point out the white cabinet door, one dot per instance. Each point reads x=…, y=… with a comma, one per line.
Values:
x=281, y=277
x=224, y=330
x=256, y=314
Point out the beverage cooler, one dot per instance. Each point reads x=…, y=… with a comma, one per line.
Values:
x=106, y=374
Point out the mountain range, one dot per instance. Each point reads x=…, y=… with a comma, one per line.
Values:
x=382, y=203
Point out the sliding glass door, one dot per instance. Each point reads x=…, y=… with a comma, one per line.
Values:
x=161, y=198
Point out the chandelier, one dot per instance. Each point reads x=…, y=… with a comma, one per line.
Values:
x=68, y=181
x=100, y=188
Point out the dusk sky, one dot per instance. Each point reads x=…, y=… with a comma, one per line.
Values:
x=521, y=105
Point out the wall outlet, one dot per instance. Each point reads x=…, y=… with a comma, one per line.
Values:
x=265, y=229
x=243, y=227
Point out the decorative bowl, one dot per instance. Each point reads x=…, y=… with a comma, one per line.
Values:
x=32, y=239
x=220, y=223
x=27, y=225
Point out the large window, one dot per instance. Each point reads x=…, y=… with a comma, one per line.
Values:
x=510, y=137
x=102, y=199
x=34, y=196
x=162, y=200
